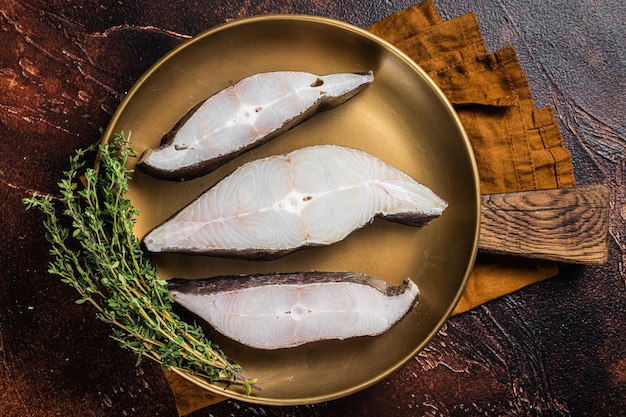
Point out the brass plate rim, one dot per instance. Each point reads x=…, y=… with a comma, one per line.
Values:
x=221, y=388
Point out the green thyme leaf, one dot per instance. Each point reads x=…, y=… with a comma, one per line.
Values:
x=103, y=260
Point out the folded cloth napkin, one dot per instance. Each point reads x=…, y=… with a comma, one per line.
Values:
x=517, y=146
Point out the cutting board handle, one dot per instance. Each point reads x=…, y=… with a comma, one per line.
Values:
x=567, y=224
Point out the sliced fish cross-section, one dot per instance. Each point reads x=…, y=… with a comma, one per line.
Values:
x=312, y=196
x=287, y=310
x=244, y=115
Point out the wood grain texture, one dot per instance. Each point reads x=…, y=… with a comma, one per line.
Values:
x=566, y=225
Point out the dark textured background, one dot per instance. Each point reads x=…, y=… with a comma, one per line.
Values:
x=555, y=348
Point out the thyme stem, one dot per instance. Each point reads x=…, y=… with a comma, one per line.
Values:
x=103, y=260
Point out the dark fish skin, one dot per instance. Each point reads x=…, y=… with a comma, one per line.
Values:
x=410, y=219
x=239, y=282
x=245, y=254
x=207, y=166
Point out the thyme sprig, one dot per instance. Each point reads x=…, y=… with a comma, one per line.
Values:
x=101, y=258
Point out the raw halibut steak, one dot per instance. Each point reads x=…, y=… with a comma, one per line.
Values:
x=286, y=310
x=308, y=197
x=244, y=115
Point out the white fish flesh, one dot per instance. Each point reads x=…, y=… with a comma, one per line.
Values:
x=245, y=115
x=309, y=197
x=287, y=310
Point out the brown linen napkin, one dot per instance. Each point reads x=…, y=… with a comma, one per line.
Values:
x=517, y=146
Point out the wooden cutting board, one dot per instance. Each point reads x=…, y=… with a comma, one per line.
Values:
x=567, y=225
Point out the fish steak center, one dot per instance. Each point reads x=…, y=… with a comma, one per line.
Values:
x=298, y=312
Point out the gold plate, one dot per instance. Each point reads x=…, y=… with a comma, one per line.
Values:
x=401, y=118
